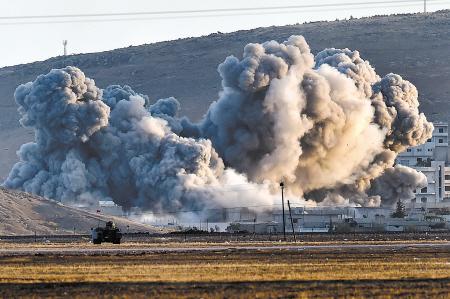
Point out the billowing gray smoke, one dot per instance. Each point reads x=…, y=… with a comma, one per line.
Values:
x=397, y=183
x=91, y=146
x=328, y=126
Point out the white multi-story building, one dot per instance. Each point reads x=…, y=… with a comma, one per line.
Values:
x=434, y=191
x=433, y=160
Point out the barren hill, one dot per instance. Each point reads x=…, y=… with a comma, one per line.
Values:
x=23, y=213
x=414, y=46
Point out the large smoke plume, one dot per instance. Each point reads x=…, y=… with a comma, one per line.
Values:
x=328, y=126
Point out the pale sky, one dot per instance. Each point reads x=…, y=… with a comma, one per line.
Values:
x=22, y=43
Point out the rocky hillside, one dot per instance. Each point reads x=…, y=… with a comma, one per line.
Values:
x=23, y=214
x=414, y=46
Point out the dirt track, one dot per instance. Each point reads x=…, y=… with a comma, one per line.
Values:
x=140, y=249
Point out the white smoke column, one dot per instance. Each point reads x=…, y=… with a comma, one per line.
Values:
x=344, y=140
x=326, y=127
x=284, y=101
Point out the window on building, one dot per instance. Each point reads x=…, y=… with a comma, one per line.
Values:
x=419, y=149
x=419, y=159
x=423, y=190
x=429, y=140
x=447, y=188
x=441, y=130
x=403, y=162
x=447, y=177
x=408, y=150
x=430, y=149
x=423, y=199
x=413, y=200
x=441, y=140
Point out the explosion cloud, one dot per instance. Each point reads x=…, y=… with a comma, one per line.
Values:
x=328, y=126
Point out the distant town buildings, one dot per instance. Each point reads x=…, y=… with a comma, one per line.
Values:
x=344, y=220
x=433, y=160
x=108, y=207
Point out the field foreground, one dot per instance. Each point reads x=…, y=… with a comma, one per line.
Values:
x=415, y=270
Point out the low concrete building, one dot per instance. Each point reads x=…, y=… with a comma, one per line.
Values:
x=344, y=220
x=109, y=208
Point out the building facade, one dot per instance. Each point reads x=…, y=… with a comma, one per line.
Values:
x=432, y=159
x=342, y=219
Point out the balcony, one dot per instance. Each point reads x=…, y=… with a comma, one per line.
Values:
x=436, y=133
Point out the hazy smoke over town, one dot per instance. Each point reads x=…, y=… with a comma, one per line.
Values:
x=328, y=126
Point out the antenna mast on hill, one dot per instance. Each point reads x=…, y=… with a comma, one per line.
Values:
x=65, y=47
x=424, y=6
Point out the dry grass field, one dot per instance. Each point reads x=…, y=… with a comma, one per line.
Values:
x=409, y=271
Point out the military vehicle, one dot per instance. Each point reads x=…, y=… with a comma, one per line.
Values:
x=110, y=233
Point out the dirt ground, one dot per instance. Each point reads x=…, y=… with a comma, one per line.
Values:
x=273, y=289
x=410, y=271
x=215, y=238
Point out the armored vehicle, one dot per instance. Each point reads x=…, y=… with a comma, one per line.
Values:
x=109, y=233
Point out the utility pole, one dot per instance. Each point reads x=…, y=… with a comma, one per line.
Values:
x=424, y=6
x=65, y=47
x=292, y=221
x=282, y=203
